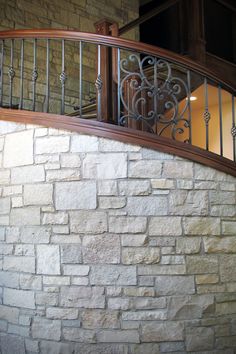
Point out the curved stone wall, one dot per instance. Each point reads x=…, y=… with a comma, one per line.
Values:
x=109, y=248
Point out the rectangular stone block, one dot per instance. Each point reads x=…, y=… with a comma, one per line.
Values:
x=100, y=319
x=69, y=174
x=188, y=245
x=47, y=299
x=165, y=226
x=25, y=216
x=101, y=249
x=58, y=281
x=162, y=332
x=178, y=169
x=38, y=194
x=134, y=187
x=153, y=315
x=134, y=240
x=143, y=255
x=105, y=166
x=145, y=169
x=75, y=195
x=145, y=206
x=74, y=269
x=70, y=297
x=161, y=269
x=84, y=143
x=71, y=254
x=106, y=145
x=9, y=279
x=46, y=329
x=162, y=183
x=229, y=228
x=113, y=275
x=61, y=314
x=58, y=218
x=70, y=160
x=174, y=285
x=220, y=198
x=30, y=282
x=199, y=339
x=112, y=202
x=183, y=202
x=19, y=264
x=4, y=205
x=79, y=335
x=48, y=259
x=10, y=314
x=88, y=222
x=202, y=264
x=4, y=177
x=227, y=266
x=52, y=144
x=18, y=150
x=35, y=235
x=127, y=224
x=220, y=245
x=19, y=298
x=126, y=336
x=201, y=226
x=107, y=187
x=27, y=174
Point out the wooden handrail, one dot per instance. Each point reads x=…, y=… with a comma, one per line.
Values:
x=123, y=134
x=120, y=43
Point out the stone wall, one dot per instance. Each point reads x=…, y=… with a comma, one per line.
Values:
x=109, y=248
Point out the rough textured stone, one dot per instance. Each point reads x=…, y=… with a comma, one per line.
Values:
x=105, y=166
x=165, y=226
x=162, y=332
x=27, y=174
x=220, y=245
x=113, y=275
x=25, y=216
x=145, y=169
x=18, y=149
x=172, y=169
x=201, y=338
x=134, y=240
x=202, y=264
x=229, y=228
x=101, y=249
x=46, y=329
x=10, y=314
x=227, y=264
x=134, y=187
x=100, y=319
x=175, y=285
x=71, y=254
x=52, y=144
x=58, y=218
x=123, y=224
x=128, y=336
x=75, y=269
x=4, y=205
x=188, y=245
x=112, y=202
x=19, y=264
x=147, y=206
x=84, y=143
x=38, y=194
x=183, y=202
x=201, y=226
x=142, y=255
x=19, y=298
x=39, y=234
x=88, y=222
x=79, y=335
x=75, y=195
x=12, y=344
x=48, y=259
x=59, y=313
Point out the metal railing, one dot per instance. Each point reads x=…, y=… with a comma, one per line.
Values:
x=146, y=88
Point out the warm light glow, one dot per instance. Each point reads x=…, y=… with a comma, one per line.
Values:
x=192, y=98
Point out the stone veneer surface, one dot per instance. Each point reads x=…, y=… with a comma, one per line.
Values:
x=111, y=248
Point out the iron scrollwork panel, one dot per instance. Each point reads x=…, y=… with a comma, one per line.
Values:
x=151, y=94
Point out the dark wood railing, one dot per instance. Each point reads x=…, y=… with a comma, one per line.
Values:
x=145, y=88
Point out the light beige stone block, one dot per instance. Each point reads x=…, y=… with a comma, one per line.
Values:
x=140, y=255
x=105, y=166
x=38, y=194
x=18, y=150
x=25, y=216
x=27, y=174
x=52, y=144
x=48, y=259
x=165, y=226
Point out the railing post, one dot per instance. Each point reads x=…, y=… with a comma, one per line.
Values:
x=106, y=73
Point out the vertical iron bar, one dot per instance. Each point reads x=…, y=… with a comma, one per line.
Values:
x=21, y=74
x=118, y=86
x=220, y=117
x=189, y=106
x=155, y=96
x=206, y=113
x=233, y=130
x=11, y=73
x=99, y=86
x=35, y=73
x=63, y=76
x=80, y=77
x=47, y=77
x=1, y=78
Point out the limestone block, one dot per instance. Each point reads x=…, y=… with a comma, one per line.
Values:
x=141, y=291
x=124, y=224
x=84, y=143
x=4, y=205
x=156, y=269
x=220, y=198
x=162, y=183
x=143, y=255
x=75, y=195
x=175, y=285
x=12, y=190
x=19, y=264
x=71, y=296
x=183, y=202
x=208, y=174
x=134, y=187
x=145, y=348
x=108, y=145
x=227, y=266
x=118, y=303
x=19, y=298
x=153, y=315
x=46, y=329
x=51, y=347
x=38, y=194
x=12, y=344
x=46, y=299
x=165, y=226
x=100, y=319
x=75, y=269
x=145, y=169
x=201, y=226
x=61, y=314
x=184, y=184
x=134, y=240
x=16, y=202
x=188, y=245
x=71, y=254
x=105, y=166
x=39, y=234
x=25, y=216
x=79, y=335
x=113, y=275
x=202, y=264
x=66, y=175
x=191, y=307
x=223, y=210
x=54, y=280
x=112, y=202
x=229, y=228
x=147, y=303
x=145, y=206
x=88, y=222
x=9, y=279
x=101, y=249
x=52, y=144
x=207, y=279
x=107, y=187
x=58, y=218
x=10, y=314
x=219, y=245
x=162, y=332
x=126, y=336
x=48, y=259
x=200, y=338
x=18, y=150
x=27, y=174
x=4, y=177
x=70, y=160
x=178, y=169
x=150, y=154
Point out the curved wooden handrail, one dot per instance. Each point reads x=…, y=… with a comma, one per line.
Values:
x=121, y=43
x=122, y=134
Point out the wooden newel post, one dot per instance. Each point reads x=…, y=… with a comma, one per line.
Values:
x=105, y=82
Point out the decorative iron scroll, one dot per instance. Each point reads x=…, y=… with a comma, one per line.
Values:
x=151, y=93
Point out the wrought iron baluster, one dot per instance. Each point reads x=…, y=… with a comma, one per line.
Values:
x=21, y=75
x=118, y=86
x=1, y=77
x=34, y=74
x=47, y=77
x=80, y=77
x=233, y=130
x=189, y=106
x=98, y=85
x=220, y=120
x=63, y=77
x=207, y=115
x=11, y=73
x=155, y=96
